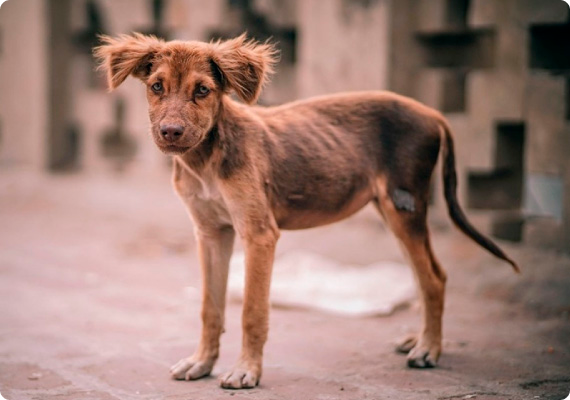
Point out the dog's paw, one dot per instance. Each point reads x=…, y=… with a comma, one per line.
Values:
x=191, y=368
x=423, y=356
x=241, y=377
x=406, y=344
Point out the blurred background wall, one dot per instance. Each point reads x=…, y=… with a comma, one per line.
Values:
x=499, y=69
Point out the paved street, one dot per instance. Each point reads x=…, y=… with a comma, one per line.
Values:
x=99, y=283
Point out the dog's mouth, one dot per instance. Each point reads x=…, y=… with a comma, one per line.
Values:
x=174, y=149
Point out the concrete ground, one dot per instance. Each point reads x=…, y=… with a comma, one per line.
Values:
x=98, y=283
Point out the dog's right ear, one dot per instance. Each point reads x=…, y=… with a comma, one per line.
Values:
x=126, y=55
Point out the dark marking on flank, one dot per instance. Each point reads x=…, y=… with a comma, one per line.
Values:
x=403, y=200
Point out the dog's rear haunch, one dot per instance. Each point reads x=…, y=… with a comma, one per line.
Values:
x=255, y=170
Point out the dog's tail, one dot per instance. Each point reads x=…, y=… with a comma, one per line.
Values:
x=455, y=211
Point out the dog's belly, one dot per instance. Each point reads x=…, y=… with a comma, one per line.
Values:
x=293, y=217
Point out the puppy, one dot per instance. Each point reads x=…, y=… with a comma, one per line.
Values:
x=255, y=170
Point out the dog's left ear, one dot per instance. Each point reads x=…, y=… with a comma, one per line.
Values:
x=245, y=65
x=126, y=55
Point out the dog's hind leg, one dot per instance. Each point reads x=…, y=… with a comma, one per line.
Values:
x=406, y=213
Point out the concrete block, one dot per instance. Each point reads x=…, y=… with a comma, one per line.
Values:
x=566, y=190
x=485, y=12
x=429, y=85
x=543, y=232
x=404, y=54
x=481, y=114
x=330, y=35
x=543, y=196
x=546, y=106
x=543, y=11
x=23, y=84
x=506, y=95
x=511, y=47
x=281, y=13
x=431, y=15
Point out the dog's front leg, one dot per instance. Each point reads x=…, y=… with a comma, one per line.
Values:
x=259, y=250
x=214, y=250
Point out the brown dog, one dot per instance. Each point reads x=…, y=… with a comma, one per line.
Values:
x=255, y=170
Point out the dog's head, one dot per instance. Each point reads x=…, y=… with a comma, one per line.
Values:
x=185, y=81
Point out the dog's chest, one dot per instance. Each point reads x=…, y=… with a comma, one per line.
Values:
x=202, y=193
x=206, y=189
x=212, y=208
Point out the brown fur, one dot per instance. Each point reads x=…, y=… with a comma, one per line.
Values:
x=255, y=170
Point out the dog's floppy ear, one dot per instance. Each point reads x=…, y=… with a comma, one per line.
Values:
x=245, y=65
x=126, y=55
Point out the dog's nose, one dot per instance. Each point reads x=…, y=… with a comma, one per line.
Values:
x=171, y=132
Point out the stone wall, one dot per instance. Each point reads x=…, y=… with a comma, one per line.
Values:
x=23, y=84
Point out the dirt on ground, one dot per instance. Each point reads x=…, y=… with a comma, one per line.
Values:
x=99, y=288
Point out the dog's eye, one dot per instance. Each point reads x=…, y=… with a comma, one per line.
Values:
x=202, y=91
x=157, y=87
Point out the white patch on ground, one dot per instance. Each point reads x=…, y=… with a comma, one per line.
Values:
x=309, y=280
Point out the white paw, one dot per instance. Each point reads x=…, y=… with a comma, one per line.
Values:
x=191, y=368
x=424, y=355
x=241, y=377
